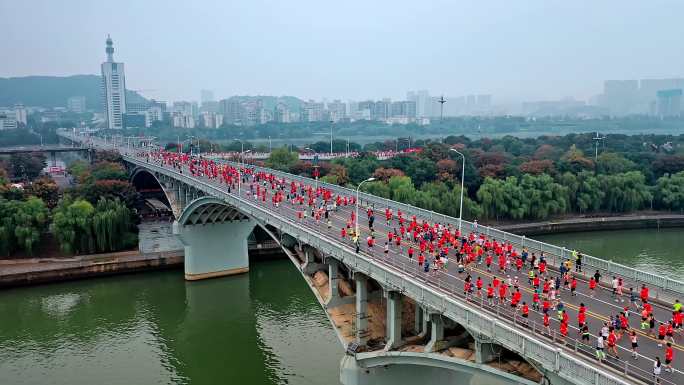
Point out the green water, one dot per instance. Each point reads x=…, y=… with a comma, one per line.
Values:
x=265, y=327
x=657, y=251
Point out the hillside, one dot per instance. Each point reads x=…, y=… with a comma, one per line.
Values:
x=53, y=91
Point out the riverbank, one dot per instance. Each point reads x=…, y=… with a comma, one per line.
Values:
x=21, y=272
x=573, y=225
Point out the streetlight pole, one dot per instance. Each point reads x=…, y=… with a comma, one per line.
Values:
x=460, y=210
x=315, y=166
x=331, y=137
x=356, y=231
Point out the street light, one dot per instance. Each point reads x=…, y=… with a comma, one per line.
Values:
x=357, y=203
x=242, y=161
x=315, y=166
x=460, y=211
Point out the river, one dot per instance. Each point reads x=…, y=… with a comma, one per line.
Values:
x=265, y=327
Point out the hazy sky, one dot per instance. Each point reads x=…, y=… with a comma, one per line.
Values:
x=349, y=49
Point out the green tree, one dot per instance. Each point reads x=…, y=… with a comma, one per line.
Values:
x=72, y=226
x=625, y=192
x=669, y=191
x=282, y=159
x=21, y=224
x=27, y=166
x=613, y=163
x=106, y=170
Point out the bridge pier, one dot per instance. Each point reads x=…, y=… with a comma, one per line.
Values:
x=333, y=281
x=420, y=326
x=215, y=249
x=393, y=324
x=362, y=332
x=486, y=350
x=436, y=333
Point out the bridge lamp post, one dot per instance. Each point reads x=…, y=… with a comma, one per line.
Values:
x=315, y=166
x=242, y=161
x=357, y=203
x=460, y=211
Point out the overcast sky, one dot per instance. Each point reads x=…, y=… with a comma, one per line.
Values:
x=349, y=49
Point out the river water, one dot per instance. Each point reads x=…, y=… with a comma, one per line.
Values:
x=265, y=327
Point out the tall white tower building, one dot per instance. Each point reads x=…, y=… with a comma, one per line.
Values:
x=113, y=89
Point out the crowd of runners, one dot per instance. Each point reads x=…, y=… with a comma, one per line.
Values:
x=494, y=272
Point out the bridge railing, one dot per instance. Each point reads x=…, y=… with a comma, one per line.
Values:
x=547, y=355
x=667, y=289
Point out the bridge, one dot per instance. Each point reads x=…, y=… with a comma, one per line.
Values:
x=37, y=148
x=396, y=321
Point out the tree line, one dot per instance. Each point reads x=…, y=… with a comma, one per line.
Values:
x=519, y=179
x=95, y=215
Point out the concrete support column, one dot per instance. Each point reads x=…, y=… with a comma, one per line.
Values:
x=485, y=350
x=333, y=279
x=393, y=324
x=215, y=249
x=181, y=195
x=362, y=332
x=420, y=325
x=436, y=333
x=188, y=194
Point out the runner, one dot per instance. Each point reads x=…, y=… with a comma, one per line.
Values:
x=635, y=345
x=600, y=354
x=669, y=356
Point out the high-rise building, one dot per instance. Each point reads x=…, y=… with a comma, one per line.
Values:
x=669, y=103
x=77, y=104
x=311, y=111
x=337, y=110
x=206, y=96
x=383, y=110
x=281, y=113
x=113, y=89
x=7, y=121
x=405, y=108
x=20, y=115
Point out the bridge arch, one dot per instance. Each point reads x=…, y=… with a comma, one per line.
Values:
x=148, y=183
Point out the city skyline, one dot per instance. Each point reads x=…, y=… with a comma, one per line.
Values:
x=269, y=49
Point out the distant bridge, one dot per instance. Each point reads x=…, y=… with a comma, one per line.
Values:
x=398, y=323
x=38, y=148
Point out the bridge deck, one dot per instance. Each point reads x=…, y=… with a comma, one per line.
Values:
x=600, y=307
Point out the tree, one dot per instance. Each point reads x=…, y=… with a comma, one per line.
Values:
x=21, y=224
x=613, y=163
x=669, y=191
x=107, y=170
x=624, y=192
x=575, y=161
x=422, y=171
x=384, y=174
x=108, y=189
x=282, y=159
x=536, y=167
x=72, y=226
x=27, y=166
x=46, y=189
x=447, y=169
x=668, y=164
x=79, y=169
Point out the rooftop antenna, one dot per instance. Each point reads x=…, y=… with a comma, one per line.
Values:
x=597, y=138
x=441, y=107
